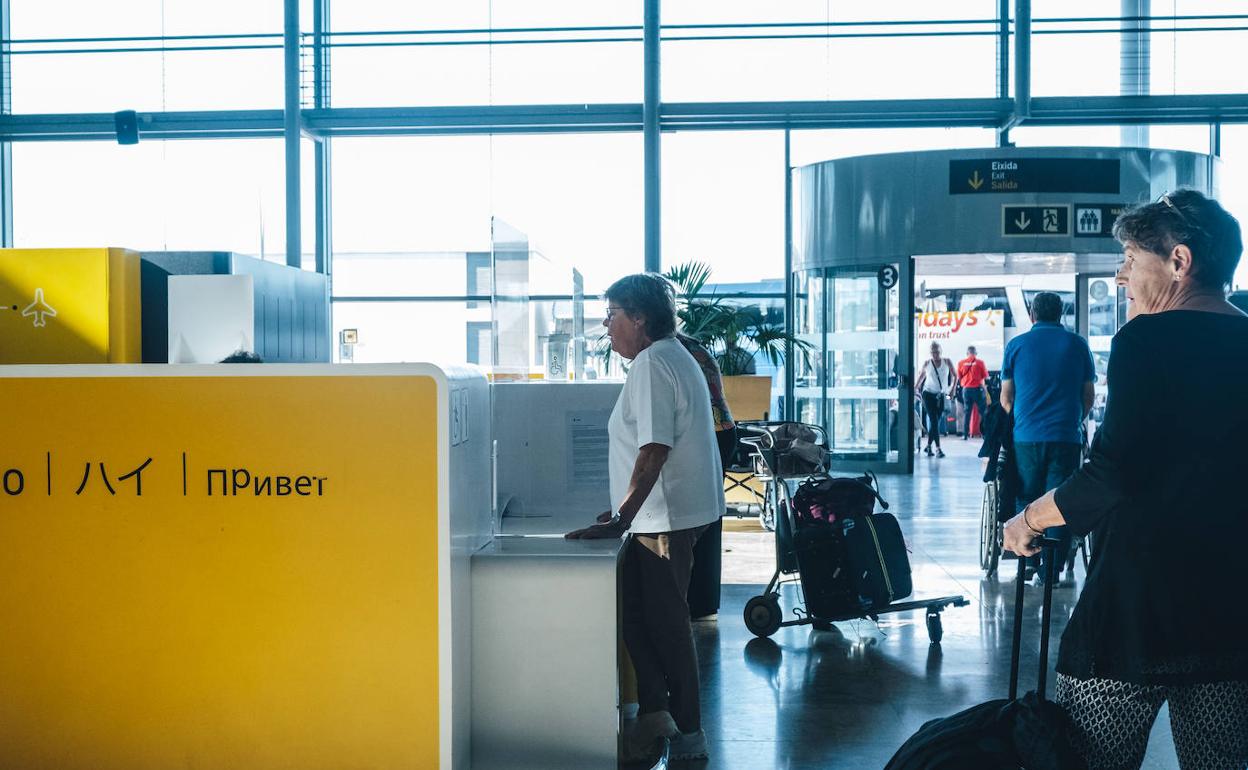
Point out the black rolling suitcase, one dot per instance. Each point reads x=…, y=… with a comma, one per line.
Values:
x=1005, y=734
x=826, y=584
x=875, y=557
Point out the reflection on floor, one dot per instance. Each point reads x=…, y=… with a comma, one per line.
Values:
x=847, y=698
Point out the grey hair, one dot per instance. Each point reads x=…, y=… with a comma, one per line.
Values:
x=650, y=296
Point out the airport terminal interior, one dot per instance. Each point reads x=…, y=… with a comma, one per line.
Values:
x=401, y=220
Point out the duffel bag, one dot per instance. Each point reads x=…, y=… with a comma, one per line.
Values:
x=831, y=500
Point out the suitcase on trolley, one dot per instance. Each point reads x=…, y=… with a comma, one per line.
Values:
x=824, y=572
x=875, y=557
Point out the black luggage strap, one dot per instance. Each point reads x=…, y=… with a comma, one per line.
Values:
x=875, y=488
x=1046, y=611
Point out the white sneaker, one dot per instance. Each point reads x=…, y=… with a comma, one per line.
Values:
x=689, y=746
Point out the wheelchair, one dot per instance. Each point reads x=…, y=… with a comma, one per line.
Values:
x=992, y=526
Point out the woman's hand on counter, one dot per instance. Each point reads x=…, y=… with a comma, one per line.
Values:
x=608, y=527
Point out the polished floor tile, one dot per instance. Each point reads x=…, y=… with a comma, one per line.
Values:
x=847, y=698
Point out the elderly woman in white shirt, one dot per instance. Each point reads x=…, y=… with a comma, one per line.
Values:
x=666, y=489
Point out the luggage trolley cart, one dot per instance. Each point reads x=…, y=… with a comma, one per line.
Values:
x=795, y=451
x=762, y=613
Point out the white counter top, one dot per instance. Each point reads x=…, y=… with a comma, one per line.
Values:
x=550, y=546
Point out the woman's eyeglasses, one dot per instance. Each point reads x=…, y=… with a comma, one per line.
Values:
x=611, y=311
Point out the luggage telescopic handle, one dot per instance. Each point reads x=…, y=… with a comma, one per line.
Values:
x=1045, y=617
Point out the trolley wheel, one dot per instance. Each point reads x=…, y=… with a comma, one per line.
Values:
x=989, y=530
x=762, y=615
x=935, y=631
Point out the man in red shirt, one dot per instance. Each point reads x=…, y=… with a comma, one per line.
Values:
x=971, y=374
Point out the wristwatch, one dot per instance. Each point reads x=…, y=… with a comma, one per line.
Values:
x=617, y=520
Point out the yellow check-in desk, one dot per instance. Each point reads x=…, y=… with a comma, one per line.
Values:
x=70, y=306
x=239, y=566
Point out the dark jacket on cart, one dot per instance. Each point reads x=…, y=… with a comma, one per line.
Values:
x=998, y=430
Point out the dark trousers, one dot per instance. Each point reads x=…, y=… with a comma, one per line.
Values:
x=973, y=397
x=934, y=415
x=704, y=583
x=655, y=620
x=1043, y=465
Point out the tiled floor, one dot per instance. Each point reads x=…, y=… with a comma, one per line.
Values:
x=847, y=698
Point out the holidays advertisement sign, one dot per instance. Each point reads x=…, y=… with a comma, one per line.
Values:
x=955, y=330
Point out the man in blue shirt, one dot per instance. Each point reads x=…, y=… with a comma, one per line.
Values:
x=1047, y=384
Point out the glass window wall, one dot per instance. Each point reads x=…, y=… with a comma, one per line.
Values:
x=1077, y=46
x=723, y=203
x=745, y=51
x=480, y=52
x=209, y=195
x=85, y=56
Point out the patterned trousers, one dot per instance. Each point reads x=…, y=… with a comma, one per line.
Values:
x=1111, y=721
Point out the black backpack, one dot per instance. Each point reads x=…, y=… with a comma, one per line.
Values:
x=1005, y=734
x=829, y=500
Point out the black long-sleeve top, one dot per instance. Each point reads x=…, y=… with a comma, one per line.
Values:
x=1168, y=480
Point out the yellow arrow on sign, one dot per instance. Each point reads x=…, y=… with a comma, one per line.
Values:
x=975, y=182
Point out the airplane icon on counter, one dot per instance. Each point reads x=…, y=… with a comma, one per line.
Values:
x=39, y=309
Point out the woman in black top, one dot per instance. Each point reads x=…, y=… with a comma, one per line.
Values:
x=1161, y=616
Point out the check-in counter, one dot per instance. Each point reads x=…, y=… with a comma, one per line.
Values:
x=544, y=652
x=240, y=566
x=545, y=609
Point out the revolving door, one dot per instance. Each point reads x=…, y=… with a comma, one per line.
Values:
x=862, y=227
x=852, y=381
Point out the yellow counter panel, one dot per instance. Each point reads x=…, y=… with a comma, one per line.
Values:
x=70, y=306
x=283, y=613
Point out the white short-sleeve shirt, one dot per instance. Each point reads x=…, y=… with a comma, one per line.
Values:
x=666, y=401
x=938, y=380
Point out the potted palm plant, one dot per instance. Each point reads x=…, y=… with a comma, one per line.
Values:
x=733, y=333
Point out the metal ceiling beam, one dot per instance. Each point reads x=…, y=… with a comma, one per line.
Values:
x=291, y=135
x=6, y=148
x=547, y=119
x=1022, y=65
x=652, y=116
x=322, y=159
x=834, y=114
x=558, y=118
x=152, y=125
x=1137, y=110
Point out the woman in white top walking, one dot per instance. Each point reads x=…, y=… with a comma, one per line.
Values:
x=936, y=383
